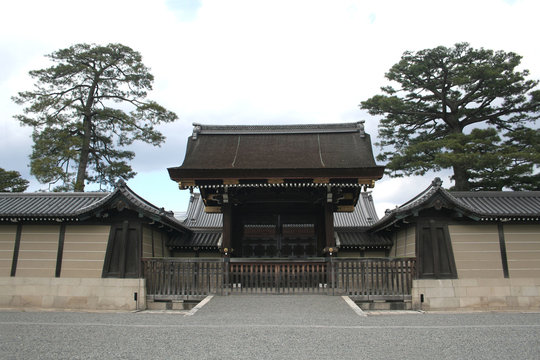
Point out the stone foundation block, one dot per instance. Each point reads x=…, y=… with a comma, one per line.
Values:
x=443, y=303
x=478, y=291
x=72, y=293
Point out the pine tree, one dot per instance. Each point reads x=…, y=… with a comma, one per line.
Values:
x=85, y=110
x=469, y=110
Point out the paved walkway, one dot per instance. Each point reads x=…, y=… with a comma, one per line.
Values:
x=304, y=310
x=269, y=327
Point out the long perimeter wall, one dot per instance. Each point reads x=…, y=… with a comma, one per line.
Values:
x=72, y=293
x=498, y=268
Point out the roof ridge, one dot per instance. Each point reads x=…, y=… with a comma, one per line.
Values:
x=123, y=188
x=277, y=129
x=495, y=193
x=57, y=194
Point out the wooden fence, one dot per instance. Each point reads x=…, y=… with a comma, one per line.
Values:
x=183, y=279
x=276, y=277
x=374, y=279
x=363, y=279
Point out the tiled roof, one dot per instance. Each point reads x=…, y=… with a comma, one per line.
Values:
x=122, y=190
x=37, y=206
x=345, y=238
x=501, y=203
x=281, y=151
x=199, y=129
x=207, y=226
x=197, y=218
x=361, y=238
x=201, y=239
x=364, y=214
x=47, y=205
x=479, y=205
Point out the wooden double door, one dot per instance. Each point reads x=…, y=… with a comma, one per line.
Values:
x=279, y=235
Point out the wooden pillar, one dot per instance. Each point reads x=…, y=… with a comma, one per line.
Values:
x=329, y=226
x=16, y=249
x=227, y=229
x=60, y=253
x=502, y=245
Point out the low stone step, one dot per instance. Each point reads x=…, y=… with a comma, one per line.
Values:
x=152, y=304
x=384, y=305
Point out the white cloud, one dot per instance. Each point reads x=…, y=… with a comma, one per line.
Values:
x=247, y=61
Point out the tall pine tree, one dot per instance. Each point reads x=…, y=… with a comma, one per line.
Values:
x=85, y=110
x=469, y=110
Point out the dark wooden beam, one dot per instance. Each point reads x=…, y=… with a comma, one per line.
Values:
x=60, y=252
x=504, y=256
x=329, y=225
x=16, y=249
x=227, y=228
x=124, y=239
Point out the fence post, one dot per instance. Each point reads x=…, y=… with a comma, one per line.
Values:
x=332, y=275
x=225, y=281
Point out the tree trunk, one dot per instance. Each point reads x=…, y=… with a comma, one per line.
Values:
x=83, y=159
x=461, y=178
x=87, y=133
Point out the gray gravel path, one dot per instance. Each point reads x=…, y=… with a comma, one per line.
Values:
x=269, y=327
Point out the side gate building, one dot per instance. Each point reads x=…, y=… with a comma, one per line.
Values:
x=275, y=209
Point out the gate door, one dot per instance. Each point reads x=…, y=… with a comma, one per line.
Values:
x=279, y=236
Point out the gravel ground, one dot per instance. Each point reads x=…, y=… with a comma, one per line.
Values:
x=269, y=327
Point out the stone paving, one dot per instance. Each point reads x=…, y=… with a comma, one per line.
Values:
x=269, y=327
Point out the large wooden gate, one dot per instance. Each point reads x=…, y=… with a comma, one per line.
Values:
x=276, y=277
x=364, y=279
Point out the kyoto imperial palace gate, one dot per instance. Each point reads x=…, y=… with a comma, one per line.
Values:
x=278, y=188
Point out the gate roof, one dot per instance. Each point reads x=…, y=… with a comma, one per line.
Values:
x=333, y=151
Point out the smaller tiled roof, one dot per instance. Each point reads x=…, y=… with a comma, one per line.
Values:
x=350, y=227
x=80, y=205
x=478, y=205
x=361, y=238
x=202, y=239
x=46, y=205
x=140, y=204
x=501, y=203
x=197, y=218
x=364, y=214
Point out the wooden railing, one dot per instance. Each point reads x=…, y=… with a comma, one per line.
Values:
x=374, y=278
x=360, y=278
x=256, y=276
x=183, y=278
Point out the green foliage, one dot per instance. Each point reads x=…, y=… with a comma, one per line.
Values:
x=85, y=110
x=11, y=181
x=460, y=108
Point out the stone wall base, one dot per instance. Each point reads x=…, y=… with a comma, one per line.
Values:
x=477, y=294
x=72, y=293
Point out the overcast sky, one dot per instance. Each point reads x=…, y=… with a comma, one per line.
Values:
x=251, y=62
